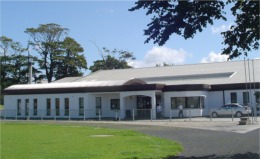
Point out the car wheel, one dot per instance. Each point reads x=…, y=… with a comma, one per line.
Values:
x=239, y=114
x=214, y=114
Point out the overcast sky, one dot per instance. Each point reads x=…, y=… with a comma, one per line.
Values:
x=109, y=24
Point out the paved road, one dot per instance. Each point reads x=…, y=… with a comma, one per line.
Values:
x=201, y=143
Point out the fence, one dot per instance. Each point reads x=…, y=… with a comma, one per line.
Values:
x=128, y=115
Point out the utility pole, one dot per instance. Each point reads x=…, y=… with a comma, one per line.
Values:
x=29, y=66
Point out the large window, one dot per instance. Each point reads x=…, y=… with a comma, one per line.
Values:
x=18, y=106
x=57, y=106
x=187, y=102
x=35, y=105
x=246, y=98
x=67, y=106
x=98, y=106
x=48, y=107
x=233, y=96
x=176, y=101
x=115, y=104
x=257, y=100
x=81, y=106
x=26, y=106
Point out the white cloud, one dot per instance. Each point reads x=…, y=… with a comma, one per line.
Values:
x=214, y=57
x=222, y=28
x=160, y=55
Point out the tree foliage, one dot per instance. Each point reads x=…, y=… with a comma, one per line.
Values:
x=244, y=35
x=14, y=63
x=70, y=62
x=115, y=59
x=186, y=18
x=60, y=54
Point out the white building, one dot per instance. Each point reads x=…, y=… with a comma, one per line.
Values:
x=129, y=93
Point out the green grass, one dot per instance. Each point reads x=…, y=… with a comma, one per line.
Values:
x=1, y=107
x=73, y=141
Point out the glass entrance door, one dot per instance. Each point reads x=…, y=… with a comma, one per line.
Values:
x=143, y=107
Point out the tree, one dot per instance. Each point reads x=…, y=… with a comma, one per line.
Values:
x=244, y=36
x=57, y=51
x=14, y=64
x=115, y=59
x=71, y=61
x=186, y=18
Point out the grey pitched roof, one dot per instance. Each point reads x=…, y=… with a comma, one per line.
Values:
x=232, y=72
x=206, y=73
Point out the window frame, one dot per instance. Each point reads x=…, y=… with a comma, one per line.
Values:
x=66, y=106
x=115, y=104
x=81, y=106
x=48, y=106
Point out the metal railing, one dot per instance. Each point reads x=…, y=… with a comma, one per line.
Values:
x=188, y=114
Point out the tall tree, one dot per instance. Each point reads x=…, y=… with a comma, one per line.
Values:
x=61, y=55
x=46, y=40
x=186, y=18
x=115, y=59
x=71, y=61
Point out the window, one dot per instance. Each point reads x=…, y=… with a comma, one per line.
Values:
x=48, y=107
x=98, y=106
x=81, y=106
x=18, y=106
x=34, y=106
x=115, y=104
x=187, y=102
x=257, y=100
x=57, y=106
x=246, y=98
x=26, y=106
x=176, y=101
x=67, y=106
x=233, y=97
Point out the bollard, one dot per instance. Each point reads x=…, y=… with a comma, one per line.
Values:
x=99, y=117
x=133, y=114
x=232, y=114
x=151, y=114
x=116, y=116
x=4, y=114
x=42, y=114
x=170, y=115
x=189, y=114
x=84, y=114
x=210, y=115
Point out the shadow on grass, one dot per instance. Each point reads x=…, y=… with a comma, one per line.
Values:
x=248, y=155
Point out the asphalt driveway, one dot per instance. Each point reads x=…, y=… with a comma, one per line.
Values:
x=199, y=143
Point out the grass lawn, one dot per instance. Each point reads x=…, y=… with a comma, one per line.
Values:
x=73, y=141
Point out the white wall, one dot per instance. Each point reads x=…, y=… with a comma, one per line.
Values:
x=105, y=104
x=213, y=99
x=194, y=112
